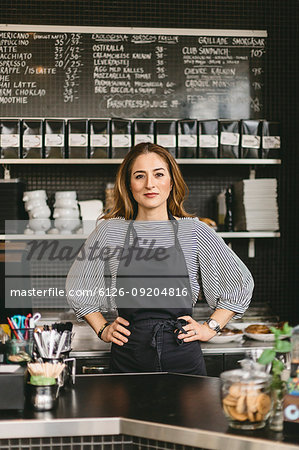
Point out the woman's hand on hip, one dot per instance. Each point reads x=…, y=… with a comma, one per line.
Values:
x=116, y=332
x=196, y=331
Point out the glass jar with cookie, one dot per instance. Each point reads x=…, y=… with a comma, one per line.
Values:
x=246, y=397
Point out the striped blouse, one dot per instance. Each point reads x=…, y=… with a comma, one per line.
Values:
x=216, y=273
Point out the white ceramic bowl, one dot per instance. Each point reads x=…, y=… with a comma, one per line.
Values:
x=30, y=195
x=65, y=213
x=260, y=337
x=66, y=226
x=263, y=337
x=39, y=226
x=68, y=203
x=35, y=203
x=66, y=194
x=40, y=213
x=226, y=338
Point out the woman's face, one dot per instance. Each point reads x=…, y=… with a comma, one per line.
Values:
x=150, y=181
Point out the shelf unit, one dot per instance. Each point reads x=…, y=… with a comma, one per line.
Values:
x=251, y=235
x=251, y=162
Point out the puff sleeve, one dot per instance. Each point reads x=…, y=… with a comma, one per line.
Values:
x=226, y=281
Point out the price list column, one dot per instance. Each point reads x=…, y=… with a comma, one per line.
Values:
x=160, y=52
x=257, y=77
x=164, y=52
x=68, y=49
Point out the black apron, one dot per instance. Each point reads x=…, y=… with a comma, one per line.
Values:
x=153, y=291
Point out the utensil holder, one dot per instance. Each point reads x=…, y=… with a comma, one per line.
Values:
x=23, y=334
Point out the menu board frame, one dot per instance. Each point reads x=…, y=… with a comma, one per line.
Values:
x=209, y=79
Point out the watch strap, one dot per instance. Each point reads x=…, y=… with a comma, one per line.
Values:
x=216, y=328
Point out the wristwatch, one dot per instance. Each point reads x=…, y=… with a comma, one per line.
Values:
x=213, y=324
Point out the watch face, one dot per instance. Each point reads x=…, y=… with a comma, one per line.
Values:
x=213, y=324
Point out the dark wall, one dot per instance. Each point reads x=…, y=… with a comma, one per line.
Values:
x=275, y=267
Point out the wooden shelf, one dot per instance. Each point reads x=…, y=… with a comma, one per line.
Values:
x=14, y=161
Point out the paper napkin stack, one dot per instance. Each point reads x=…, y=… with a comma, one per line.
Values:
x=255, y=205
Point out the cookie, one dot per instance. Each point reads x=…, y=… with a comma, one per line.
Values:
x=235, y=390
x=235, y=415
x=259, y=417
x=251, y=416
x=241, y=404
x=251, y=401
x=263, y=403
x=229, y=400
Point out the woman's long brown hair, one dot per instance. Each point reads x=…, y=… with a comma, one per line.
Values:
x=124, y=203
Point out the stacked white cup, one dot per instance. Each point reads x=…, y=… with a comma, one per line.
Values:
x=39, y=212
x=66, y=212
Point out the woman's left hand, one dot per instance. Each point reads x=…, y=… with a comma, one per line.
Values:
x=196, y=331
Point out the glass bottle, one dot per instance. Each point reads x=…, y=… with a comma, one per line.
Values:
x=276, y=418
x=109, y=196
x=221, y=211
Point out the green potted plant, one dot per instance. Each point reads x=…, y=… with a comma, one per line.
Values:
x=274, y=357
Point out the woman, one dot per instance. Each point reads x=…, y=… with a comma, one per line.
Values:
x=151, y=260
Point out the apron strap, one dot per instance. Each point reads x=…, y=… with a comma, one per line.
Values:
x=157, y=334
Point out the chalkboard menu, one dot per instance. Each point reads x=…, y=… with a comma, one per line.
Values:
x=48, y=71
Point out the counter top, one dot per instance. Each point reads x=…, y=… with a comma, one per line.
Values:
x=168, y=407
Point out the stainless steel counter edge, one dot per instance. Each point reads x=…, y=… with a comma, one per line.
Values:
x=207, y=349
x=116, y=425
x=93, y=426
x=199, y=438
